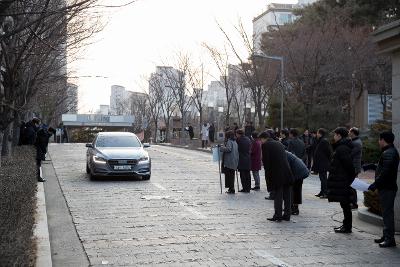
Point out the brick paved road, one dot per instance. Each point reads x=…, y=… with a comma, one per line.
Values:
x=178, y=218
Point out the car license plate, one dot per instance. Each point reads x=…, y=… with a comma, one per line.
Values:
x=122, y=167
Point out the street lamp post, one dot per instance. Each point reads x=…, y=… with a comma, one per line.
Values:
x=281, y=80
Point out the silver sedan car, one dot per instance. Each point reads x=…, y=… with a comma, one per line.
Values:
x=117, y=154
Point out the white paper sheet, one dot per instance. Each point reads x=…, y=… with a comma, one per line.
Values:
x=215, y=153
x=360, y=185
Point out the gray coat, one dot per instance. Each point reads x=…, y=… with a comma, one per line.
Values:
x=230, y=154
x=299, y=169
x=356, y=154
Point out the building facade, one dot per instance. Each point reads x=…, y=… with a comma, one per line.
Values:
x=120, y=100
x=274, y=16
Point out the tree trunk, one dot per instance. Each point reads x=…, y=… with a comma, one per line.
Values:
x=7, y=141
x=167, y=130
x=1, y=142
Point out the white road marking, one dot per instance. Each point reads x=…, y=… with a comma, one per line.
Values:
x=159, y=186
x=196, y=213
x=271, y=258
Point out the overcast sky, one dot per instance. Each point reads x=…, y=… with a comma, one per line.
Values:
x=148, y=33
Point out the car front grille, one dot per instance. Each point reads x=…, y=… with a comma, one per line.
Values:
x=113, y=162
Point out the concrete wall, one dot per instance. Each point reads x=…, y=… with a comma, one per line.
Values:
x=396, y=123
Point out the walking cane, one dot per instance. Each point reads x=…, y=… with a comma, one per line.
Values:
x=237, y=180
x=219, y=167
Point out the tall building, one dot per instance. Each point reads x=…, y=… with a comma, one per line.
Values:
x=120, y=100
x=104, y=110
x=71, y=101
x=274, y=16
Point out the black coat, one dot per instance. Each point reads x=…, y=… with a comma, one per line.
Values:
x=341, y=172
x=386, y=172
x=297, y=147
x=322, y=155
x=285, y=142
x=244, y=145
x=29, y=133
x=276, y=165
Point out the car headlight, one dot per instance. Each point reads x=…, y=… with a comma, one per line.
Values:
x=100, y=160
x=144, y=159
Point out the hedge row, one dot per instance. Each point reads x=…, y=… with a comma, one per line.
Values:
x=18, y=185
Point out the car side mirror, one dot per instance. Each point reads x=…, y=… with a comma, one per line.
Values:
x=146, y=145
x=89, y=145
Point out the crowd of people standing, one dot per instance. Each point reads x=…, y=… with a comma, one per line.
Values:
x=288, y=158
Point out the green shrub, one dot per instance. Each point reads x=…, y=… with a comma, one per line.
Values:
x=372, y=202
x=371, y=150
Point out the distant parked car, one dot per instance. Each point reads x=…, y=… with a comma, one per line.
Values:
x=117, y=154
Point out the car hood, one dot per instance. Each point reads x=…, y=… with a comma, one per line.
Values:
x=122, y=152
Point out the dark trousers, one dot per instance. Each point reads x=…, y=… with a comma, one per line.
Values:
x=268, y=182
x=229, y=179
x=323, y=177
x=245, y=179
x=309, y=158
x=348, y=217
x=387, y=203
x=297, y=192
x=204, y=143
x=283, y=194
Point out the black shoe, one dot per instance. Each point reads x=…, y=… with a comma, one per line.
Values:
x=319, y=194
x=286, y=218
x=244, y=191
x=275, y=219
x=336, y=228
x=42, y=180
x=256, y=188
x=295, y=211
x=230, y=192
x=388, y=243
x=342, y=230
x=380, y=240
x=270, y=197
x=323, y=196
x=353, y=206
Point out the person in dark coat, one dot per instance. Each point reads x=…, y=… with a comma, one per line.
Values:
x=296, y=146
x=322, y=159
x=211, y=133
x=308, y=142
x=341, y=175
x=249, y=129
x=230, y=160
x=244, y=166
x=312, y=149
x=356, y=155
x=277, y=170
x=29, y=133
x=42, y=141
x=285, y=138
x=300, y=172
x=255, y=155
x=386, y=183
x=190, y=131
x=235, y=127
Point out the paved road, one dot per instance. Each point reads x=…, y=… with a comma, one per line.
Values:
x=179, y=218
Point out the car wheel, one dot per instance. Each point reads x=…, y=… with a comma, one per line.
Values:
x=87, y=168
x=92, y=177
x=146, y=177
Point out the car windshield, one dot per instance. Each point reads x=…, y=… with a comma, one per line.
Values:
x=117, y=141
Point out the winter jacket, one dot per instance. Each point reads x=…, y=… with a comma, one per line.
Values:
x=386, y=172
x=285, y=142
x=30, y=133
x=322, y=155
x=248, y=130
x=297, y=147
x=297, y=166
x=276, y=165
x=341, y=172
x=244, y=145
x=356, y=153
x=230, y=154
x=255, y=155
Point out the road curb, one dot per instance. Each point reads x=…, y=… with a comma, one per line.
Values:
x=369, y=217
x=41, y=231
x=185, y=147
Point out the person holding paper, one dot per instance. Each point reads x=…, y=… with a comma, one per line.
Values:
x=386, y=183
x=230, y=160
x=341, y=175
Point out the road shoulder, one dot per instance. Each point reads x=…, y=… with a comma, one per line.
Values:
x=66, y=247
